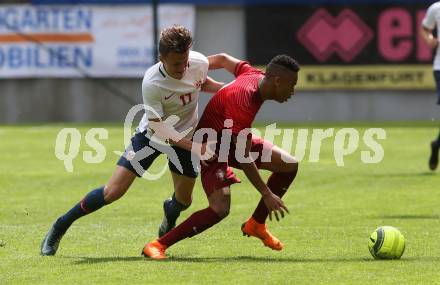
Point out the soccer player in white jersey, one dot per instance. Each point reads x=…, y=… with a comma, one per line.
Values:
x=430, y=23
x=170, y=87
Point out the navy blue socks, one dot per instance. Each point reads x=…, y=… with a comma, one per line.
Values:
x=91, y=202
x=174, y=207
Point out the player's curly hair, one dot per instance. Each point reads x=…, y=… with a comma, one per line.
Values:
x=286, y=62
x=176, y=39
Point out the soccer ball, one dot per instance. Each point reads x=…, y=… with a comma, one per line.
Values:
x=386, y=243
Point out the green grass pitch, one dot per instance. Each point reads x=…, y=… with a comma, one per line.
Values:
x=333, y=211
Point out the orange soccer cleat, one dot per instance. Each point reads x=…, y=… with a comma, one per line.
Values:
x=252, y=228
x=154, y=250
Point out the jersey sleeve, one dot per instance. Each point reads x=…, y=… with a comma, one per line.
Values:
x=201, y=62
x=204, y=66
x=244, y=67
x=152, y=101
x=429, y=21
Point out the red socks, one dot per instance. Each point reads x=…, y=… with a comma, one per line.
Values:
x=204, y=219
x=195, y=224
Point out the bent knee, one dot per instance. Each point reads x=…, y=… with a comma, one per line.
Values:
x=287, y=176
x=293, y=168
x=290, y=168
x=287, y=163
x=292, y=171
x=220, y=201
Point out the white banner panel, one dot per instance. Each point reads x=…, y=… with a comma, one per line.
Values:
x=73, y=40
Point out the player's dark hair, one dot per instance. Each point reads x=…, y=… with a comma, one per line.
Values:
x=286, y=62
x=176, y=39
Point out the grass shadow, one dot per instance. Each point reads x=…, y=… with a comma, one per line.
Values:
x=256, y=259
x=92, y=260
x=238, y=259
x=246, y=259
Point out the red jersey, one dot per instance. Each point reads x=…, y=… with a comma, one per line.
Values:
x=238, y=101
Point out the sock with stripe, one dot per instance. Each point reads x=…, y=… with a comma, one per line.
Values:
x=93, y=201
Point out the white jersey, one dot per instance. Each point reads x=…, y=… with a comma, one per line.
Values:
x=168, y=96
x=431, y=21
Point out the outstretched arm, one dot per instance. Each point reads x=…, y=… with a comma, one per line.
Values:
x=217, y=61
x=223, y=60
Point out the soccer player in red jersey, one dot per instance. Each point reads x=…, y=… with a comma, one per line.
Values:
x=230, y=114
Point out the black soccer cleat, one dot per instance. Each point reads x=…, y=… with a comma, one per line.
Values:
x=169, y=220
x=50, y=244
x=433, y=159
